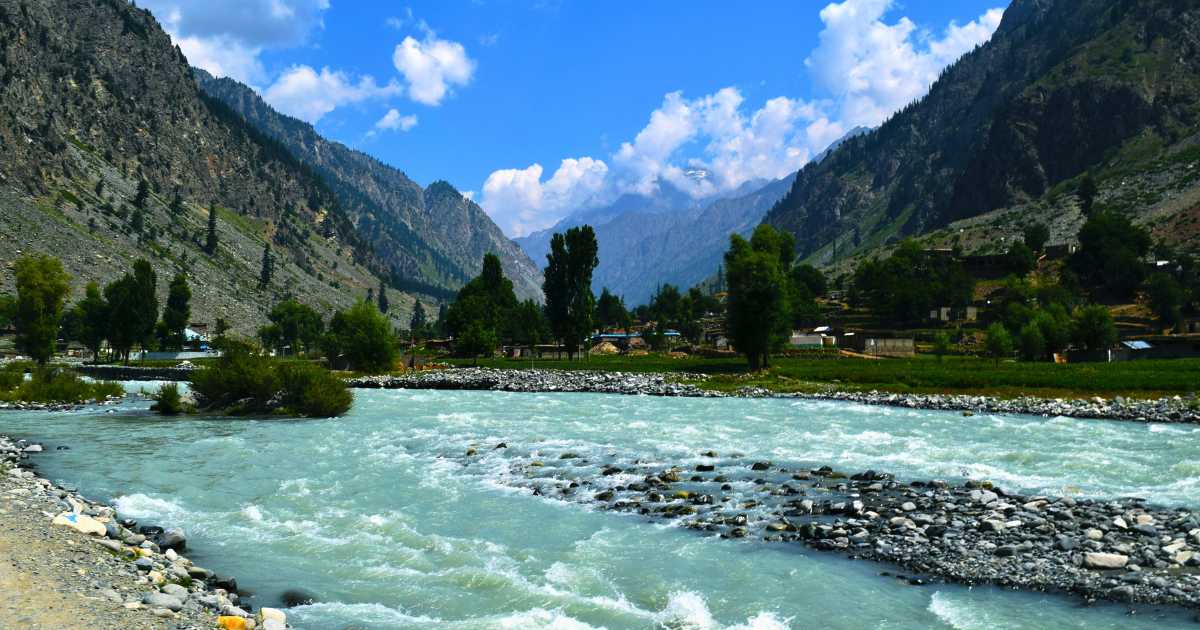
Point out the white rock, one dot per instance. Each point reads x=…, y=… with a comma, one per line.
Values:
x=80, y=523
x=1096, y=560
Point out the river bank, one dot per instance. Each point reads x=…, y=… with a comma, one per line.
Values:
x=72, y=562
x=1125, y=550
x=1175, y=409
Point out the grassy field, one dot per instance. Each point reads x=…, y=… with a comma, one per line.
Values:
x=1136, y=379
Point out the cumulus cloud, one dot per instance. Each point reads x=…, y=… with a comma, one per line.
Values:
x=308, y=94
x=730, y=143
x=226, y=37
x=394, y=121
x=432, y=66
x=520, y=202
x=866, y=68
x=872, y=68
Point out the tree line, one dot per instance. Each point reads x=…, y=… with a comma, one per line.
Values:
x=125, y=313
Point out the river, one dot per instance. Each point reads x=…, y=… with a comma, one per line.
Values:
x=382, y=517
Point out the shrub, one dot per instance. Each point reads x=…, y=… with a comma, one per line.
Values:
x=310, y=390
x=167, y=401
x=56, y=385
x=244, y=381
x=998, y=343
x=241, y=374
x=11, y=378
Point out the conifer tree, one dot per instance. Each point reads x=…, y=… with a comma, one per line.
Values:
x=210, y=244
x=268, y=267
x=383, y=300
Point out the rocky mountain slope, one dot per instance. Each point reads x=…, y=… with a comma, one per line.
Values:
x=1063, y=87
x=669, y=238
x=433, y=239
x=95, y=104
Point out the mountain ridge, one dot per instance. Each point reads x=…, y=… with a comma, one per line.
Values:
x=433, y=238
x=1061, y=88
x=112, y=153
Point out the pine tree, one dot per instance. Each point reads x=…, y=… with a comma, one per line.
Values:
x=268, y=267
x=143, y=193
x=383, y=300
x=176, y=205
x=210, y=244
x=417, y=324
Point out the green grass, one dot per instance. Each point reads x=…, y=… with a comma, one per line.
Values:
x=924, y=374
x=52, y=385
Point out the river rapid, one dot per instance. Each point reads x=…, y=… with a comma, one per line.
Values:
x=384, y=519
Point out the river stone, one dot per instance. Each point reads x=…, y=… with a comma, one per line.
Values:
x=175, y=590
x=173, y=539
x=81, y=523
x=162, y=600
x=1097, y=560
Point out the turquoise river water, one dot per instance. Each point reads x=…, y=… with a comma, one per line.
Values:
x=379, y=515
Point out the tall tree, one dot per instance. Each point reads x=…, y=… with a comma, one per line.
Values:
x=383, y=299
x=1110, y=255
x=42, y=288
x=93, y=315
x=610, y=309
x=147, y=300
x=177, y=312
x=1094, y=328
x=759, y=313
x=1087, y=193
x=210, y=243
x=419, y=321
x=143, y=193
x=1036, y=236
x=570, y=302
x=484, y=306
x=361, y=339
x=267, y=269
x=294, y=326
x=121, y=295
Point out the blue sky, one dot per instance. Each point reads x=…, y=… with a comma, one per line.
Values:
x=540, y=108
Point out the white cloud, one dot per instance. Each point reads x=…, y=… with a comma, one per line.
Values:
x=872, y=68
x=489, y=40
x=520, y=202
x=226, y=37
x=869, y=69
x=432, y=66
x=394, y=121
x=307, y=94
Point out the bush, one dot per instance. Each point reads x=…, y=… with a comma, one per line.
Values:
x=11, y=378
x=998, y=343
x=54, y=385
x=167, y=401
x=309, y=390
x=244, y=381
x=241, y=374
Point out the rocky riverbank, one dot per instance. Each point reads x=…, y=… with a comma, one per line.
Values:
x=71, y=562
x=136, y=373
x=974, y=533
x=531, y=381
x=1175, y=409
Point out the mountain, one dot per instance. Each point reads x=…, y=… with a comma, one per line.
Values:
x=95, y=104
x=433, y=239
x=669, y=237
x=1062, y=87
